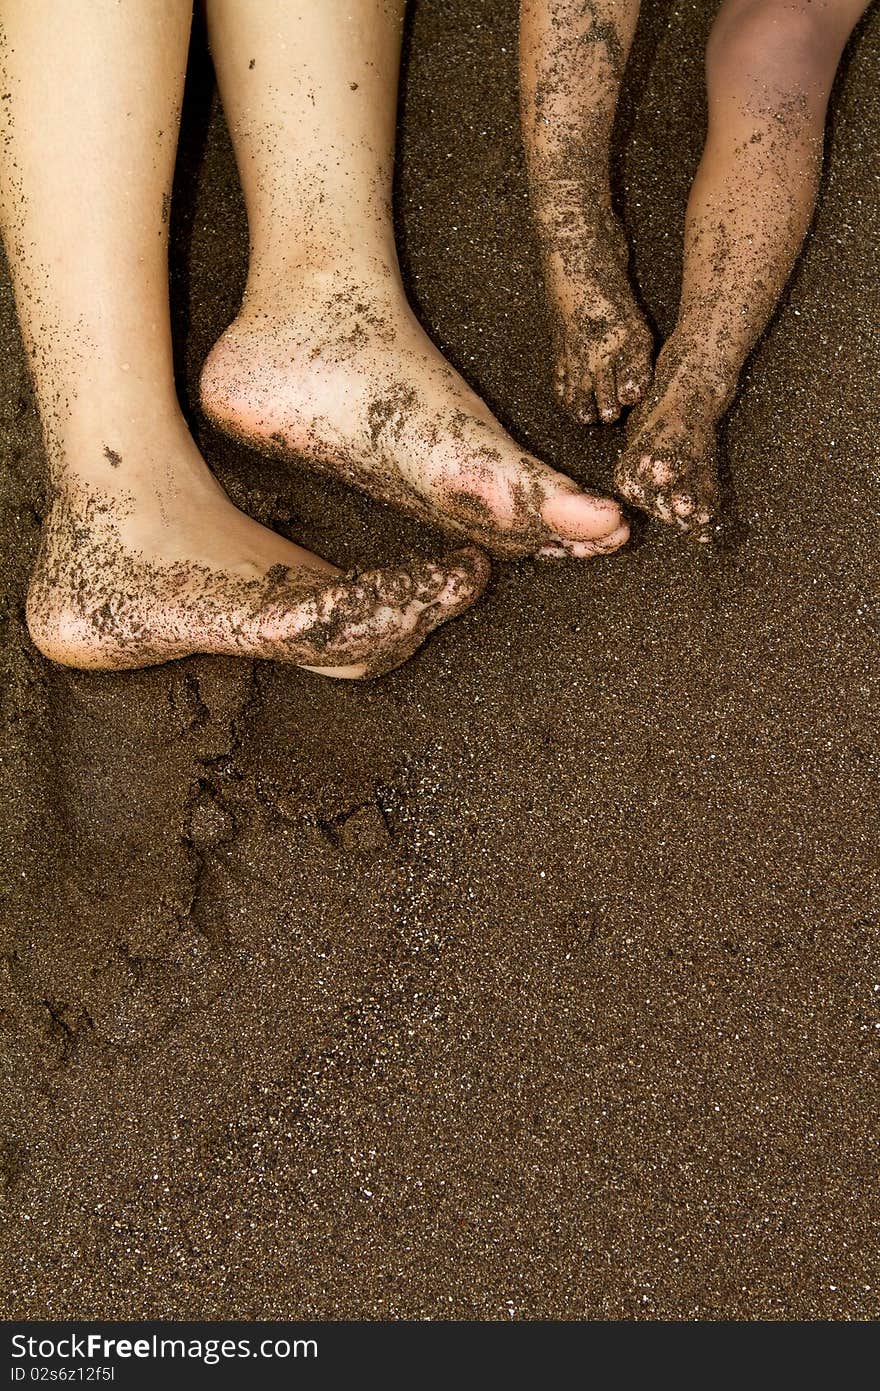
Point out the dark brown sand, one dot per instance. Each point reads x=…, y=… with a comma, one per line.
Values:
x=536, y=980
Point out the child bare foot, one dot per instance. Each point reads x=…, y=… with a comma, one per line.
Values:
x=333, y=370
x=669, y=466
x=572, y=61
x=602, y=345
x=770, y=65
x=136, y=569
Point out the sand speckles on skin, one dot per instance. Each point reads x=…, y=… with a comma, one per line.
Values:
x=537, y=981
x=96, y=603
x=747, y=218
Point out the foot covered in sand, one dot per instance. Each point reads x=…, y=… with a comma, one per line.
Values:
x=345, y=380
x=669, y=466
x=119, y=586
x=602, y=345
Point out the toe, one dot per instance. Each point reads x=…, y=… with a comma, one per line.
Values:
x=370, y=623
x=606, y=392
x=698, y=523
x=674, y=507
x=657, y=503
x=458, y=582
x=633, y=380
x=560, y=381
x=642, y=479
x=628, y=482
x=575, y=517
x=584, y=402
x=441, y=593
x=606, y=545
x=660, y=471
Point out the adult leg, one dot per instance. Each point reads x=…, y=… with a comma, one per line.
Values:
x=326, y=361
x=770, y=65
x=572, y=58
x=144, y=557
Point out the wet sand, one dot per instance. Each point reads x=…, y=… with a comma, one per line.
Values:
x=539, y=979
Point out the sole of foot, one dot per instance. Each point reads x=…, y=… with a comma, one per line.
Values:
x=353, y=388
x=94, y=603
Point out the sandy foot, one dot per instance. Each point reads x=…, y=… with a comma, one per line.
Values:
x=350, y=384
x=669, y=466
x=97, y=599
x=602, y=344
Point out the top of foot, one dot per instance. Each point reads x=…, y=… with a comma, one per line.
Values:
x=602, y=344
x=349, y=383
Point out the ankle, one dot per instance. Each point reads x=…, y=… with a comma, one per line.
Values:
x=282, y=286
x=120, y=411
x=689, y=367
x=571, y=202
x=142, y=454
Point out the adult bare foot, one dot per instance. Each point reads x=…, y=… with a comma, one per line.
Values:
x=602, y=345
x=138, y=567
x=669, y=466
x=335, y=371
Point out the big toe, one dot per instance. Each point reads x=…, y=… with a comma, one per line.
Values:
x=583, y=523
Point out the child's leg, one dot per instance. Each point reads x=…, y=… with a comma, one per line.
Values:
x=572, y=58
x=326, y=360
x=770, y=65
x=144, y=557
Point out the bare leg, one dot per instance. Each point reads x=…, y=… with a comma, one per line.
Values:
x=770, y=65
x=326, y=362
x=572, y=59
x=144, y=557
